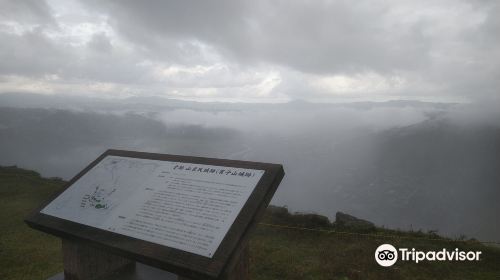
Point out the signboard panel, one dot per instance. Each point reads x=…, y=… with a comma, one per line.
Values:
x=187, y=215
x=180, y=205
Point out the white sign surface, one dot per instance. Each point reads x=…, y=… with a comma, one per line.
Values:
x=185, y=206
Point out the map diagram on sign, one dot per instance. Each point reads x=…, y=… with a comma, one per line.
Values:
x=185, y=206
x=100, y=198
x=98, y=192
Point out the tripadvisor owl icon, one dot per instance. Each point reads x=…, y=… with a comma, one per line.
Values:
x=386, y=255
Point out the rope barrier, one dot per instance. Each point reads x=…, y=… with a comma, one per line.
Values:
x=375, y=235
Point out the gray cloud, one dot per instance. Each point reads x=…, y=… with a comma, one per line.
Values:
x=100, y=43
x=30, y=53
x=320, y=36
x=29, y=11
x=258, y=49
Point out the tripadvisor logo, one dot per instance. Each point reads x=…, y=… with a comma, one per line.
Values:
x=387, y=255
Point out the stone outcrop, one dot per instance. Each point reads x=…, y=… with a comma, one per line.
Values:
x=351, y=222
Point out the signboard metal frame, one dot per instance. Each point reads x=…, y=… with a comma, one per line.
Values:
x=177, y=261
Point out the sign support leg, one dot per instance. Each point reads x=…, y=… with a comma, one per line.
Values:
x=83, y=262
x=238, y=269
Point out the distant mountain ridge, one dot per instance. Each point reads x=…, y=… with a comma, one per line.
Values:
x=156, y=103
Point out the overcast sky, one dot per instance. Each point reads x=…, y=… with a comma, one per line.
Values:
x=258, y=50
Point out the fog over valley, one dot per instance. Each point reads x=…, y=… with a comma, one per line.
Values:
x=401, y=164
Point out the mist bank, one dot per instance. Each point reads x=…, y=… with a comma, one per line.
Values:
x=399, y=164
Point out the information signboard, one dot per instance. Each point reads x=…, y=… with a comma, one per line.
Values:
x=182, y=214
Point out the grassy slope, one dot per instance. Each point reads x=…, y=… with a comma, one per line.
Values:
x=25, y=253
x=280, y=253
x=276, y=253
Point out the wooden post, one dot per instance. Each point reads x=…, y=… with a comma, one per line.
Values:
x=238, y=268
x=83, y=262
